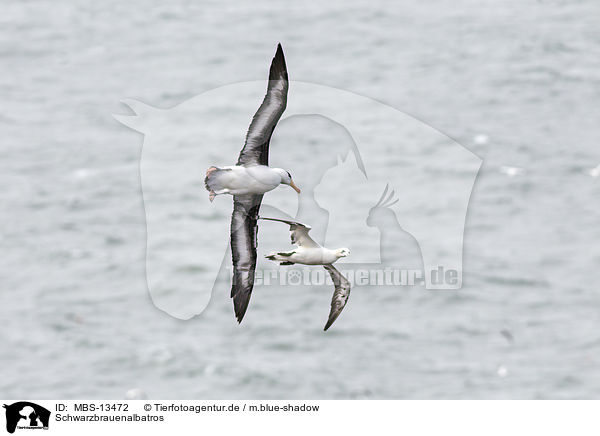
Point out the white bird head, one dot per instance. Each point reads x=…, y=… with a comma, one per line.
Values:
x=286, y=179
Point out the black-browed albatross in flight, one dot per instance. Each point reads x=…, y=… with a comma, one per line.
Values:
x=248, y=180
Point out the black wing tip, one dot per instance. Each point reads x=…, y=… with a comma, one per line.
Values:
x=240, y=312
x=279, y=51
x=278, y=67
x=330, y=321
x=240, y=305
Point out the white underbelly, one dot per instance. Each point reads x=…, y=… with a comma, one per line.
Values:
x=313, y=256
x=252, y=180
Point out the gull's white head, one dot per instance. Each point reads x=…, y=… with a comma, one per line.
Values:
x=342, y=252
x=286, y=179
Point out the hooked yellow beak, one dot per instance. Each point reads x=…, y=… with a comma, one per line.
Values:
x=295, y=187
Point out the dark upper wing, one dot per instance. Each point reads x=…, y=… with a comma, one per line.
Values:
x=256, y=147
x=244, y=232
x=340, y=295
x=298, y=232
x=289, y=222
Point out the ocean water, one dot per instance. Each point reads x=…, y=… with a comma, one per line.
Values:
x=515, y=82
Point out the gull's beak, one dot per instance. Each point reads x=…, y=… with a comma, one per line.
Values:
x=295, y=187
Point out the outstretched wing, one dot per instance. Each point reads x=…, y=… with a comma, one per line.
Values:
x=298, y=233
x=340, y=295
x=244, y=232
x=299, y=236
x=256, y=148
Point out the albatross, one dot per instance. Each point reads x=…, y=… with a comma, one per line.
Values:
x=248, y=180
x=309, y=252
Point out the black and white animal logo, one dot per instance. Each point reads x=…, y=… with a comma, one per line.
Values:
x=26, y=415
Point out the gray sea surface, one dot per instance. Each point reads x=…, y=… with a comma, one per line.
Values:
x=517, y=82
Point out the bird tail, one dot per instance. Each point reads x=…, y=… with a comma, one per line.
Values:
x=213, y=182
x=281, y=257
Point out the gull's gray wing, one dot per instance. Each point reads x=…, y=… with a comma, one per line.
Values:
x=244, y=239
x=298, y=233
x=256, y=147
x=340, y=295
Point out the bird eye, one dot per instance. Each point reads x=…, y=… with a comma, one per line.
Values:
x=289, y=175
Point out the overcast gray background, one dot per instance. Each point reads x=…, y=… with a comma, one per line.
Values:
x=77, y=321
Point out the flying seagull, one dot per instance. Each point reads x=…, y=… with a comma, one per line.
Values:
x=248, y=180
x=308, y=252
